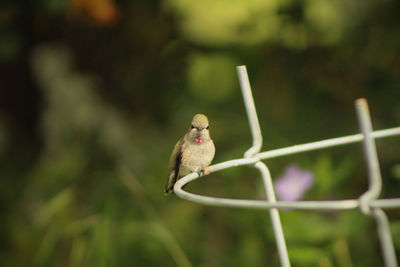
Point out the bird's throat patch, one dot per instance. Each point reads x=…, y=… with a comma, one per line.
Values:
x=198, y=140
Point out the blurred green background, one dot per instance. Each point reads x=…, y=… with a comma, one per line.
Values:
x=95, y=93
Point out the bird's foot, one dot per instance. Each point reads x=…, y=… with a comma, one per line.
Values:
x=204, y=171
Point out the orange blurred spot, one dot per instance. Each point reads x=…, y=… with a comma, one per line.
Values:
x=103, y=12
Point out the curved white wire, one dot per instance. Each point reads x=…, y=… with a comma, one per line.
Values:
x=263, y=204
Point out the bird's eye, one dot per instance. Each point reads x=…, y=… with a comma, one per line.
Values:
x=192, y=126
x=207, y=127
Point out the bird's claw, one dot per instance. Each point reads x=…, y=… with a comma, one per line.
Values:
x=204, y=171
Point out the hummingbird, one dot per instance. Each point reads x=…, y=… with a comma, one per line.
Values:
x=192, y=153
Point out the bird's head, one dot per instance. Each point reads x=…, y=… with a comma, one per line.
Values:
x=198, y=131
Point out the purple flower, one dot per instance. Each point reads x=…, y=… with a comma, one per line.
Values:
x=292, y=185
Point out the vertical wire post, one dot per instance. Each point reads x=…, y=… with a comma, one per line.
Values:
x=250, y=110
x=275, y=219
x=267, y=181
x=375, y=184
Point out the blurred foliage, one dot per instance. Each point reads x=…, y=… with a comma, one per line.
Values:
x=95, y=93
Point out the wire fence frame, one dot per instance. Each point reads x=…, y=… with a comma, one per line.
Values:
x=368, y=203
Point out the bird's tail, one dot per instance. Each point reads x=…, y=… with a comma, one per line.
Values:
x=169, y=187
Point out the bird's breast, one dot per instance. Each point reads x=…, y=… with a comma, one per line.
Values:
x=196, y=157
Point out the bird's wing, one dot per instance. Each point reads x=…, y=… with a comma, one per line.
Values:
x=174, y=164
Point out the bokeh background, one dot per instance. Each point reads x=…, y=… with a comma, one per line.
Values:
x=95, y=93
